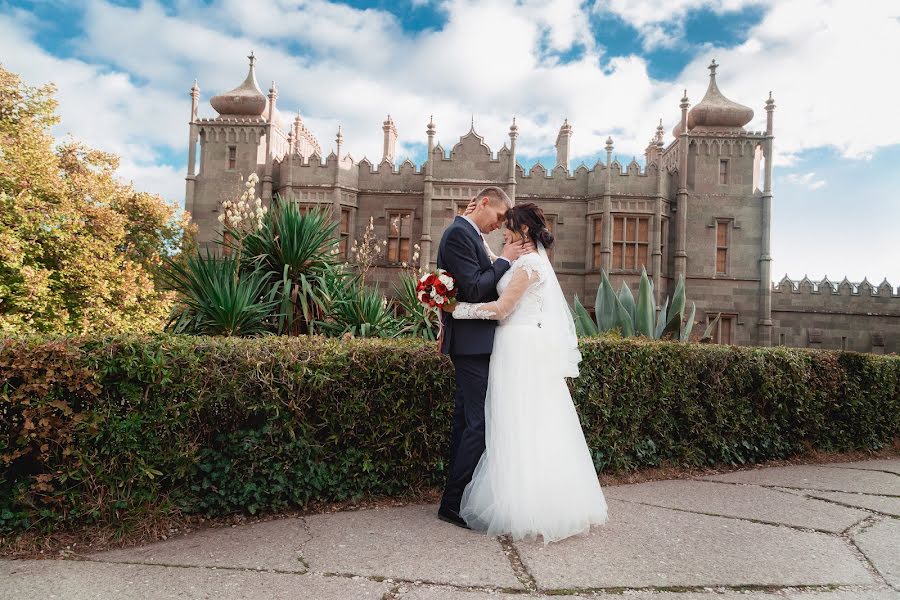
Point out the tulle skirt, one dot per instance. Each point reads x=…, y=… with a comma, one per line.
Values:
x=536, y=477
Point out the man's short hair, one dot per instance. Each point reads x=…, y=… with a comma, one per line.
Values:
x=496, y=195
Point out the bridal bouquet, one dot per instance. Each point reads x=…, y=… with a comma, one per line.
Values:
x=436, y=289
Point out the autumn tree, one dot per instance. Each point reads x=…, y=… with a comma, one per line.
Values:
x=78, y=248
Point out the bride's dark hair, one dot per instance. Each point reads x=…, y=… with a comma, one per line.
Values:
x=529, y=214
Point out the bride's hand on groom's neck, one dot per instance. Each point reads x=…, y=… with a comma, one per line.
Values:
x=513, y=251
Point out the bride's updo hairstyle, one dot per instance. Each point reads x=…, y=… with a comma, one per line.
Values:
x=531, y=215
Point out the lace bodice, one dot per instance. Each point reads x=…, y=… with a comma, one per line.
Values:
x=521, y=294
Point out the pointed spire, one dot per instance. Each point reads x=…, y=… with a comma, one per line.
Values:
x=195, y=89
x=340, y=136
x=430, y=129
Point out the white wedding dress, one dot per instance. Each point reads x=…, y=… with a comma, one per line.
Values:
x=536, y=476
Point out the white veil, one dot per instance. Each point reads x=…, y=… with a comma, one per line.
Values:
x=564, y=354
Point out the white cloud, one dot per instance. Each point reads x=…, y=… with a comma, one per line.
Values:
x=808, y=180
x=128, y=91
x=661, y=22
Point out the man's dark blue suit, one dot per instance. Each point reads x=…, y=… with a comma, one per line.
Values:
x=469, y=343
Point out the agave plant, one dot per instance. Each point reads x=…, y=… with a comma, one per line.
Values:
x=218, y=298
x=419, y=320
x=622, y=313
x=360, y=311
x=299, y=252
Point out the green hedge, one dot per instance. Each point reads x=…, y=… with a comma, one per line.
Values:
x=117, y=430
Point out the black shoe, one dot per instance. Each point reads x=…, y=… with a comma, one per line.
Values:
x=452, y=516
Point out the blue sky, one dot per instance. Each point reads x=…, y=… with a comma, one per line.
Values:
x=612, y=67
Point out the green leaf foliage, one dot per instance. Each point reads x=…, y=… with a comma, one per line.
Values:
x=118, y=430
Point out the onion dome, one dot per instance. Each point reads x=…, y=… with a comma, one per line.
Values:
x=716, y=111
x=246, y=100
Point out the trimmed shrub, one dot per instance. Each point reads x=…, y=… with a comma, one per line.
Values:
x=110, y=430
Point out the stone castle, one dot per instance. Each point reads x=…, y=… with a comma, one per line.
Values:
x=700, y=208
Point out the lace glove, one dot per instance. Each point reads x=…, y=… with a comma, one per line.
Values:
x=503, y=306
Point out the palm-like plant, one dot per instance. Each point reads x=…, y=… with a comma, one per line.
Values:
x=218, y=298
x=299, y=252
x=621, y=312
x=360, y=311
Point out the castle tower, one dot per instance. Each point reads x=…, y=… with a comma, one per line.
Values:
x=722, y=230
x=563, y=140
x=390, y=140
x=243, y=138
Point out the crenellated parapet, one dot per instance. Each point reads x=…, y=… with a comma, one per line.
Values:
x=630, y=179
x=843, y=288
x=842, y=300
x=388, y=177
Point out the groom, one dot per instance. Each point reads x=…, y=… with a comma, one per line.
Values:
x=465, y=255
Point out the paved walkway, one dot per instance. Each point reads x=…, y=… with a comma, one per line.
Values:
x=829, y=532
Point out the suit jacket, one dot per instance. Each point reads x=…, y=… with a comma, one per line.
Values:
x=462, y=254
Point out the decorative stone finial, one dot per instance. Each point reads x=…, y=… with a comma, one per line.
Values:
x=430, y=128
x=273, y=91
x=340, y=135
x=609, y=144
x=252, y=58
x=770, y=103
x=712, y=68
x=513, y=130
x=195, y=89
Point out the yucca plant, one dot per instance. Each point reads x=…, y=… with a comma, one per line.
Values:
x=420, y=321
x=360, y=311
x=622, y=313
x=299, y=251
x=216, y=297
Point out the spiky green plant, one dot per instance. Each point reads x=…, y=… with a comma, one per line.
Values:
x=216, y=297
x=420, y=321
x=360, y=311
x=620, y=312
x=299, y=252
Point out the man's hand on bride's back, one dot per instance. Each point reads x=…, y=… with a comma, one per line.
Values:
x=513, y=251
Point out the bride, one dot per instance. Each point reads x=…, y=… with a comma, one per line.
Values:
x=536, y=476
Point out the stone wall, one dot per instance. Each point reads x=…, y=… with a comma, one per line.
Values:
x=821, y=314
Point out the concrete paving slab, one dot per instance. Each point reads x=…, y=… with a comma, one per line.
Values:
x=881, y=464
x=406, y=543
x=881, y=544
x=83, y=580
x=846, y=595
x=746, y=502
x=883, y=504
x=817, y=478
x=434, y=593
x=646, y=546
x=272, y=545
